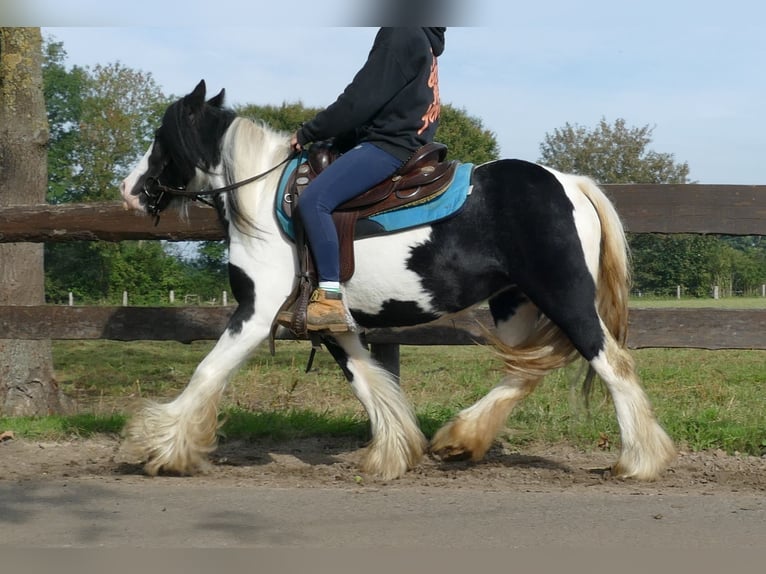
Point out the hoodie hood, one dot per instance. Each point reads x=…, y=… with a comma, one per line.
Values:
x=436, y=37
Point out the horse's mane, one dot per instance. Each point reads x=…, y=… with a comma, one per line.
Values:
x=250, y=147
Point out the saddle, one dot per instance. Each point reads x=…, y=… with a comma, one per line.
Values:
x=422, y=178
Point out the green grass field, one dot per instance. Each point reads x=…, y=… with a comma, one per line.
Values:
x=705, y=399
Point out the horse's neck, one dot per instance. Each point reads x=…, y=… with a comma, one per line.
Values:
x=250, y=149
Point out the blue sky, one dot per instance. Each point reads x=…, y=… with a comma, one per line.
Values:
x=694, y=70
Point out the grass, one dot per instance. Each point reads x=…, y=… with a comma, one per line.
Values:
x=698, y=303
x=705, y=399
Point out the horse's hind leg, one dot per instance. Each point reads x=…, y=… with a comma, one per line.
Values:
x=397, y=443
x=646, y=449
x=470, y=434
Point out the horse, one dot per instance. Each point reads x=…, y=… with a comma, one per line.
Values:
x=545, y=250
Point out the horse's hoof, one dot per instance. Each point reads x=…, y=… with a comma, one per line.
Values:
x=451, y=453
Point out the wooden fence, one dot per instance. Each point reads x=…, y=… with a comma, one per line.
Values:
x=690, y=208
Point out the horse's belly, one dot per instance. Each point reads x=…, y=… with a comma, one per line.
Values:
x=382, y=280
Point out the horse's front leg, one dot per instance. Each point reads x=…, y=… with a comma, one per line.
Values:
x=176, y=437
x=397, y=443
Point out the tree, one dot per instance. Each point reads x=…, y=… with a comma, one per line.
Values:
x=465, y=136
x=286, y=117
x=64, y=90
x=101, y=120
x=121, y=108
x=27, y=385
x=611, y=154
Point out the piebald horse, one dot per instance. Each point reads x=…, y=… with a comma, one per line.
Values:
x=546, y=250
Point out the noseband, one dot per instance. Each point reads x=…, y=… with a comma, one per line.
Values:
x=155, y=190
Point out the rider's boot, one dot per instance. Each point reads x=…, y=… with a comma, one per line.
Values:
x=326, y=312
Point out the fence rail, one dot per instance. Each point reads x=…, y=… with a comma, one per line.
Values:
x=661, y=208
x=690, y=328
x=690, y=208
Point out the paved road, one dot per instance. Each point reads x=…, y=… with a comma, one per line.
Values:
x=161, y=513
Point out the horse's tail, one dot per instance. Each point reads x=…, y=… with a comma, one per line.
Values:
x=613, y=279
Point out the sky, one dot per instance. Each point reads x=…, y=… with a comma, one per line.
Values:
x=692, y=70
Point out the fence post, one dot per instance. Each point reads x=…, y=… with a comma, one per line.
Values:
x=124, y=298
x=224, y=298
x=678, y=291
x=172, y=296
x=763, y=290
x=387, y=354
x=71, y=299
x=715, y=292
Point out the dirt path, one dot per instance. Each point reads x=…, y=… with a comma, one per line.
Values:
x=310, y=493
x=333, y=463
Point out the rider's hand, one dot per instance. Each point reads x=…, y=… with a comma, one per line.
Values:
x=294, y=145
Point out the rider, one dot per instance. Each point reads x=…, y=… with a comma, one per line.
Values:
x=392, y=106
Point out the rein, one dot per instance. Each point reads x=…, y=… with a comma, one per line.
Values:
x=155, y=190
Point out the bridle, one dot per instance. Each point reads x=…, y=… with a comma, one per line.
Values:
x=155, y=190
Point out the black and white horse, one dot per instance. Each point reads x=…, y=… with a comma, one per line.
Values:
x=545, y=249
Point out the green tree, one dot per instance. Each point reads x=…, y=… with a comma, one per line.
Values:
x=145, y=270
x=121, y=108
x=286, y=117
x=63, y=89
x=611, y=153
x=102, y=120
x=465, y=136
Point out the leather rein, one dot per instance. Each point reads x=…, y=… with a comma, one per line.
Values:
x=155, y=190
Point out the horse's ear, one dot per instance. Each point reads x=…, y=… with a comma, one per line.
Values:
x=217, y=100
x=196, y=99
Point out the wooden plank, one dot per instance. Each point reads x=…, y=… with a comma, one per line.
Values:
x=691, y=208
x=644, y=208
x=184, y=324
x=698, y=328
x=706, y=328
x=683, y=328
x=106, y=221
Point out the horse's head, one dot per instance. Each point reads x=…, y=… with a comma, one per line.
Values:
x=184, y=149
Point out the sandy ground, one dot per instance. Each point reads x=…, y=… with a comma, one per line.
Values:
x=333, y=463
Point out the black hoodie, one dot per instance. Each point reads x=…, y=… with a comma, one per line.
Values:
x=393, y=101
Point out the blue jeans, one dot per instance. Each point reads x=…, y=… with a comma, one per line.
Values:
x=351, y=174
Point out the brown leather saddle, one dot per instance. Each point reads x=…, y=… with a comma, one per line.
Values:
x=423, y=177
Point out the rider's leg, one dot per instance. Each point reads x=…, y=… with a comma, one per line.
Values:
x=351, y=174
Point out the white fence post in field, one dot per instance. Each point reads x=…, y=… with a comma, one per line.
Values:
x=763, y=290
x=124, y=298
x=715, y=292
x=71, y=299
x=172, y=296
x=678, y=291
x=224, y=298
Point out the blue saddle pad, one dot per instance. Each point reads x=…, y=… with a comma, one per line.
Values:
x=442, y=207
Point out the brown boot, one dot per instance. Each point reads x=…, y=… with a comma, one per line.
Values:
x=326, y=312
